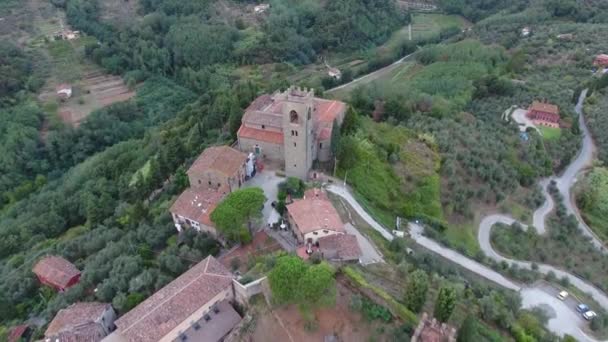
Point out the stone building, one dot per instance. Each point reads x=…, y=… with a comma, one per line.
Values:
x=314, y=217
x=84, y=321
x=292, y=127
x=430, y=330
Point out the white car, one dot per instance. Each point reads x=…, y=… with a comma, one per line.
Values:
x=562, y=295
x=589, y=315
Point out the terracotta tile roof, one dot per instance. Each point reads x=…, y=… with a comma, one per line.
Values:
x=328, y=110
x=90, y=332
x=56, y=270
x=197, y=204
x=314, y=213
x=75, y=316
x=544, y=107
x=219, y=325
x=223, y=159
x=173, y=304
x=260, y=135
x=17, y=332
x=340, y=247
x=260, y=103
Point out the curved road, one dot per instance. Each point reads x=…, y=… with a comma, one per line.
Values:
x=565, y=321
x=564, y=184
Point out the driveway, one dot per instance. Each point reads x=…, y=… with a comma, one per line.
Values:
x=269, y=182
x=519, y=116
x=369, y=254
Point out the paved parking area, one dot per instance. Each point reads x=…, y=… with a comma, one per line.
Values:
x=269, y=182
x=563, y=317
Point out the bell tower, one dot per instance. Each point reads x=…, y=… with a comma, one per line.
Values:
x=298, y=131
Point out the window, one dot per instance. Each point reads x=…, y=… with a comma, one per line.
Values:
x=294, y=165
x=263, y=126
x=296, y=133
x=293, y=133
x=325, y=231
x=320, y=145
x=199, y=181
x=294, y=144
x=315, y=233
x=218, y=185
x=309, y=113
x=293, y=117
x=209, y=182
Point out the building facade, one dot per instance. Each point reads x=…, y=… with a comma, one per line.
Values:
x=292, y=127
x=544, y=114
x=219, y=167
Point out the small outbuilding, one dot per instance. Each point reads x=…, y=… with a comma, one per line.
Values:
x=84, y=321
x=64, y=91
x=56, y=272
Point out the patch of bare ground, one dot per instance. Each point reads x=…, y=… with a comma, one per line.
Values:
x=288, y=324
x=93, y=91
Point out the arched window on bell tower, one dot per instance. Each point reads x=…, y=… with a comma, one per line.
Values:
x=293, y=117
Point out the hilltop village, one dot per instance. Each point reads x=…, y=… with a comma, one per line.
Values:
x=287, y=170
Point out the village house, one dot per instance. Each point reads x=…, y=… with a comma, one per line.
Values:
x=89, y=322
x=292, y=127
x=219, y=167
x=218, y=171
x=196, y=306
x=430, y=330
x=544, y=114
x=56, y=272
x=193, y=209
x=601, y=61
x=313, y=217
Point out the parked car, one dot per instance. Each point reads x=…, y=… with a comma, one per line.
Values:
x=589, y=315
x=562, y=295
x=582, y=308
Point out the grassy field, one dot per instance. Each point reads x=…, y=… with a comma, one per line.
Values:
x=550, y=133
x=425, y=25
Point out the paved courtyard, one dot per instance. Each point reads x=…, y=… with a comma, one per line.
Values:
x=519, y=116
x=269, y=182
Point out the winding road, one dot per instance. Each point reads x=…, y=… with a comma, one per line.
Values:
x=565, y=320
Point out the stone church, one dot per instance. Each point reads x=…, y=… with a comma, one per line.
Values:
x=293, y=127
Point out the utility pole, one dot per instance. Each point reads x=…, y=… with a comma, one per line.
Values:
x=345, y=175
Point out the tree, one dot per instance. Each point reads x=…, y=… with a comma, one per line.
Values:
x=446, y=302
x=468, y=330
x=238, y=209
x=317, y=285
x=285, y=277
x=351, y=121
x=416, y=290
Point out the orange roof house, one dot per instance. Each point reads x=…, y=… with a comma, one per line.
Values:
x=56, y=272
x=601, y=60
x=217, y=167
x=314, y=216
x=193, y=208
x=544, y=114
x=84, y=321
x=192, y=307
